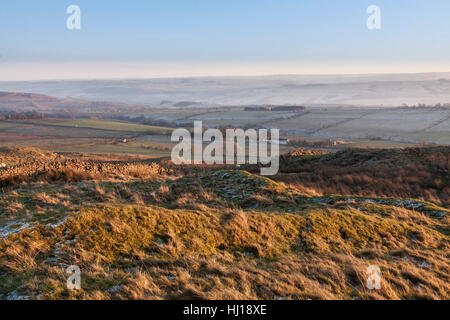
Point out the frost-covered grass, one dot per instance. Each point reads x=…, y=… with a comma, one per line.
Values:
x=216, y=234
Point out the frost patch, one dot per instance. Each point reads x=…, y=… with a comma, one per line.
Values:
x=13, y=227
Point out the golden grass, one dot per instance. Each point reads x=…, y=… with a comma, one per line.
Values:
x=218, y=234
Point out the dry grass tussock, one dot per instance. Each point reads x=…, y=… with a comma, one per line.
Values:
x=406, y=173
x=139, y=233
x=50, y=167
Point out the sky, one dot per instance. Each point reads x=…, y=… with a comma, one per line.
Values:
x=177, y=38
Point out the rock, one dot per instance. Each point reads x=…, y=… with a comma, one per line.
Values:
x=248, y=254
x=14, y=295
x=438, y=214
x=51, y=260
x=114, y=289
x=424, y=264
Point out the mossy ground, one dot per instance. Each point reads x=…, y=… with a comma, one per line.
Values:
x=225, y=234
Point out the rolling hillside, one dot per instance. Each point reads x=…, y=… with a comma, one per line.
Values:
x=149, y=230
x=31, y=102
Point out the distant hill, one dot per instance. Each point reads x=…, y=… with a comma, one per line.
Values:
x=362, y=90
x=29, y=101
x=32, y=102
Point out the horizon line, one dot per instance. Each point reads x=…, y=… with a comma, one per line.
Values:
x=231, y=76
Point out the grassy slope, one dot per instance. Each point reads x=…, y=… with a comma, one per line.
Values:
x=410, y=172
x=140, y=232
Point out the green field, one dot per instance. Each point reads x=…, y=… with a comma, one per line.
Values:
x=105, y=125
x=150, y=149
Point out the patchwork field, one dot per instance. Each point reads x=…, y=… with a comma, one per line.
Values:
x=90, y=136
x=149, y=149
x=413, y=125
x=42, y=121
x=103, y=125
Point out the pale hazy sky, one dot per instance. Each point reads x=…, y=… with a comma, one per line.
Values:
x=169, y=38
